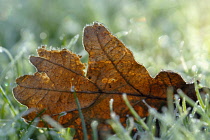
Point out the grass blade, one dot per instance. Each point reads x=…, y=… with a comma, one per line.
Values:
x=6, y=99
x=134, y=113
x=84, y=129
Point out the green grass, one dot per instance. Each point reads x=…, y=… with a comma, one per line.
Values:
x=169, y=35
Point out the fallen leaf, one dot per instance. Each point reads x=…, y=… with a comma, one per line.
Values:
x=111, y=72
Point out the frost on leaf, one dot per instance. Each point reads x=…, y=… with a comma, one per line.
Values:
x=111, y=72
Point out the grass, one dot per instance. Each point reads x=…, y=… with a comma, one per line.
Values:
x=170, y=35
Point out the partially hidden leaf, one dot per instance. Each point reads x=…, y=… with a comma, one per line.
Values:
x=111, y=72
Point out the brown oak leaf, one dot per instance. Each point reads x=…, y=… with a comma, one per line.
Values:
x=111, y=72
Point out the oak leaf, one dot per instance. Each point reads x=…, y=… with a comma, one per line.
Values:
x=111, y=72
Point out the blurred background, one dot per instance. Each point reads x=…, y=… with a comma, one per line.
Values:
x=163, y=34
